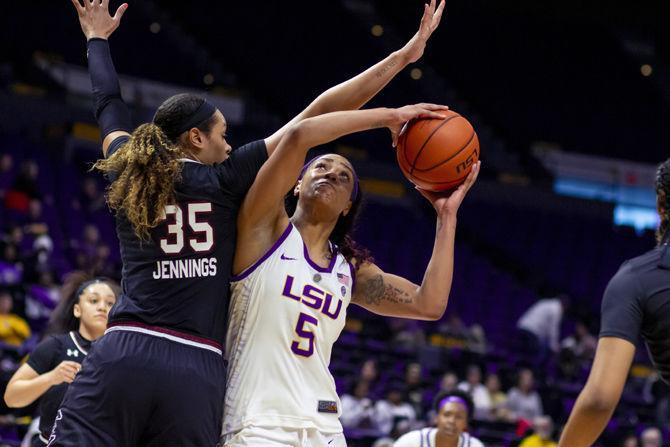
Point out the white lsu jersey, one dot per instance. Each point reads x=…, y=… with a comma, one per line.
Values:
x=286, y=312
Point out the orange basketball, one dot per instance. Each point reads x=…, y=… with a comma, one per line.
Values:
x=436, y=154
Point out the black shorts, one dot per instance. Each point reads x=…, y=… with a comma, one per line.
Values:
x=136, y=389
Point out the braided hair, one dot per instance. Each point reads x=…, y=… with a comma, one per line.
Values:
x=663, y=198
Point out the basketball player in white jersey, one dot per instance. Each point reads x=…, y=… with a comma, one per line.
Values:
x=295, y=277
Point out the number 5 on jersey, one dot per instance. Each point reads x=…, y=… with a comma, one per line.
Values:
x=303, y=331
x=176, y=228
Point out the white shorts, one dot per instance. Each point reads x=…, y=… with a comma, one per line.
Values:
x=288, y=437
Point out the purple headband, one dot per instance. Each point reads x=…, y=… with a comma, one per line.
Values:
x=453, y=399
x=354, y=192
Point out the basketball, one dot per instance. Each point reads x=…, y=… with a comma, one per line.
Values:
x=436, y=154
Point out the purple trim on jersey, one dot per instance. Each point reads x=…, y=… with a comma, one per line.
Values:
x=272, y=249
x=317, y=267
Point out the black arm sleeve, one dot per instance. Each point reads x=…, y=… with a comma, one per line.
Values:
x=44, y=356
x=238, y=172
x=109, y=109
x=622, y=307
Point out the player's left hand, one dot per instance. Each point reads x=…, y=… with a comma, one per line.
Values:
x=95, y=20
x=447, y=203
x=429, y=22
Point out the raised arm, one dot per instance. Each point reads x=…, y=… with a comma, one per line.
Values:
x=262, y=216
x=111, y=112
x=394, y=296
x=357, y=91
x=599, y=398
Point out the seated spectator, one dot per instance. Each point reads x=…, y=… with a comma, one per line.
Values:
x=394, y=415
x=6, y=179
x=14, y=330
x=409, y=334
x=449, y=381
x=543, y=428
x=457, y=334
x=18, y=196
x=582, y=343
x=369, y=371
x=90, y=200
x=357, y=407
x=498, y=398
x=651, y=437
x=630, y=440
x=454, y=410
x=414, y=387
x=474, y=387
x=523, y=401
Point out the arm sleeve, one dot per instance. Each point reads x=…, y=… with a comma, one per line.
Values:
x=109, y=109
x=44, y=356
x=238, y=172
x=621, y=310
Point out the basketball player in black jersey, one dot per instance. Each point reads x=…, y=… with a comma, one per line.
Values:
x=157, y=376
x=79, y=319
x=636, y=304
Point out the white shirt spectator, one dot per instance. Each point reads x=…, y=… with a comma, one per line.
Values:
x=524, y=406
x=480, y=397
x=386, y=413
x=355, y=411
x=426, y=438
x=544, y=320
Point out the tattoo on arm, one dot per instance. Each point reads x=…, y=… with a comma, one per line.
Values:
x=382, y=71
x=375, y=291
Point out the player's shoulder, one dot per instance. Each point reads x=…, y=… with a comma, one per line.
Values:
x=410, y=439
x=644, y=262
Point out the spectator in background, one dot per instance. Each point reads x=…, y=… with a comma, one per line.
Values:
x=369, y=371
x=449, y=381
x=414, y=387
x=394, y=415
x=6, y=165
x=582, y=343
x=357, y=407
x=543, y=429
x=14, y=330
x=474, y=387
x=651, y=437
x=25, y=188
x=90, y=200
x=409, y=334
x=523, y=401
x=540, y=326
x=498, y=398
x=454, y=411
x=630, y=440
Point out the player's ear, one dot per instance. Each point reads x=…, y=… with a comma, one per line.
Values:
x=77, y=310
x=347, y=209
x=195, y=138
x=296, y=190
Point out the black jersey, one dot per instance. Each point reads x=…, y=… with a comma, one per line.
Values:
x=47, y=355
x=180, y=278
x=637, y=303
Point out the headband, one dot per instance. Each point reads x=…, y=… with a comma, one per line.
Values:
x=453, y=399
x=354, y=191
x=204, y=112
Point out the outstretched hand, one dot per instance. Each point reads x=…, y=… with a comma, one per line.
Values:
x=429, y=22
x=447, y=202
x=95, y=19
x=403, y=115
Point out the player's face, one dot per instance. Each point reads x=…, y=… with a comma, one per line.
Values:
x=94, y=306
x=215, y=147
x=452, y=420
x=331, y=179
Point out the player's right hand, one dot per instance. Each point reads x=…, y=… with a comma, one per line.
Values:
x=405, y=114
x=64, y=372
x=94, y=17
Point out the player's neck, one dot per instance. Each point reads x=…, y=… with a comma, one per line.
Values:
x=88, y=334
x=443, y=440
x=315, y=237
